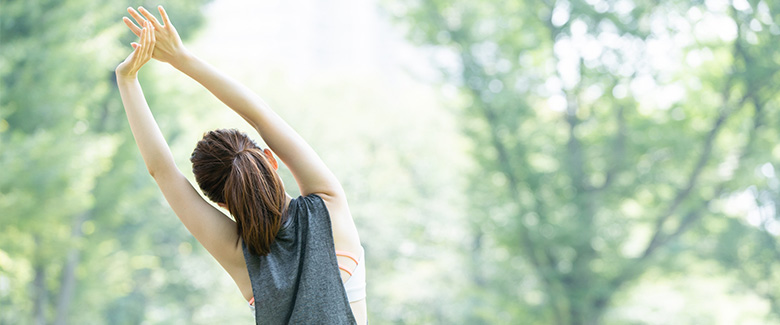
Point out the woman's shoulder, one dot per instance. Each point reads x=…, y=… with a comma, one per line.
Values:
x=312, y=200
x=309, y=205
x=334, y=207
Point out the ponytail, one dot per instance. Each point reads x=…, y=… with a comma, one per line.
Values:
x=231, y=169
x=255, y=197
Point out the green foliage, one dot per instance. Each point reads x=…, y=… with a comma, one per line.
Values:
x=604, y=131
x=78, y=208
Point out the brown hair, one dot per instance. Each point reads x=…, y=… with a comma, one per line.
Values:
x=230, y=168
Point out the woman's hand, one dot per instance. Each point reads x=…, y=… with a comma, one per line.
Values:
x=169, y=47
x=142, y=53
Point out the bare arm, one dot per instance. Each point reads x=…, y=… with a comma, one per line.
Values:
x=215, y=231
x=311, y=173
x=151, y=143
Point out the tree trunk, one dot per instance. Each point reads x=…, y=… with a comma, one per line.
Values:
x=68, y=282
x=586, y=312
x=68, y=285
x=39, y=287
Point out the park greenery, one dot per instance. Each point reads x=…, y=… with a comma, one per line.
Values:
x=613, y=138
x=566, y=162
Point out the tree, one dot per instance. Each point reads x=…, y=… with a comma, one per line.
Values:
x=604, y=132
x=72, y=205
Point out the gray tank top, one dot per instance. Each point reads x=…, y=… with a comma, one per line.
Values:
x=299, y=281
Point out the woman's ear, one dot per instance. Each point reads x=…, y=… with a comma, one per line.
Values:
x=271, y=158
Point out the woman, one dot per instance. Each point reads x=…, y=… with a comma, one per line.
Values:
x=294, y=260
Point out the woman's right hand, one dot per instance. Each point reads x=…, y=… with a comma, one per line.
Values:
x=169, y=47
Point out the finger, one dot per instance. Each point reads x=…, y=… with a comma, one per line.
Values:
x=134, y=45
x=164, y=16
x=151, y=41
x=153, y=37
x=135, y=29
x=143, y=44
x=149, y=16
x=138, y=18
x=148, y=32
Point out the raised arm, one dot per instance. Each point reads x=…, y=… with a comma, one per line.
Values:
x=215, y=231
x=311, y=173
x=151, y=143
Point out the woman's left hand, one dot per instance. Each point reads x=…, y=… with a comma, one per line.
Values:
x=169, y=47
x=142, y=53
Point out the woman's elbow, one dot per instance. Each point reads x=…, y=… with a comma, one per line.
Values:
x=152, y=171
x=157, y=171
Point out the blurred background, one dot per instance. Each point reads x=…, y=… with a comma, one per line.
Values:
x=506, y=162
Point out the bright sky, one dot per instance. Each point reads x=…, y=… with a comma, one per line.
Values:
x=308, y=36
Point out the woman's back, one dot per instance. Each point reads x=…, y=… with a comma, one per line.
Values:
x=300, y=273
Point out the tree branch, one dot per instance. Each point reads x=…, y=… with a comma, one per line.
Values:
x=634, y=269
x=726, y=111
x=619, y=152
x=659, y=239
x=683, y=192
